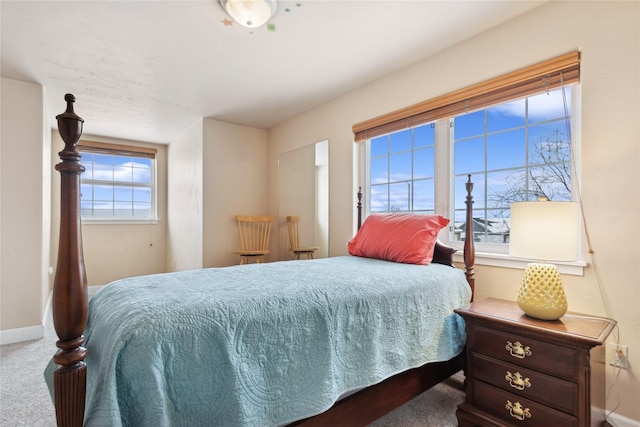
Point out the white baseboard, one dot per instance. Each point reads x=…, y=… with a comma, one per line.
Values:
x=620, y=421
x=614, y=419
x=10, y=336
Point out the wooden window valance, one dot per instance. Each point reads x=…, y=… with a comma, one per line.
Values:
x=546, y=75
x=117, y=149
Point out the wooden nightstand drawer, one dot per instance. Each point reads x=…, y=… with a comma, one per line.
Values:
x=526, y=352
x=516, y=409
x=548, y=360
x=545, y=389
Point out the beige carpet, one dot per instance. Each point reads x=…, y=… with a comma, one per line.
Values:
x=24, y=398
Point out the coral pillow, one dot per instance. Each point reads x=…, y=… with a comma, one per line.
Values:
x=405, y=238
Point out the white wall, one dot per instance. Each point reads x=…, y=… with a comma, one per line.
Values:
x=185, y=201
x=235, y=183
x=608, y=35
x=24, y=211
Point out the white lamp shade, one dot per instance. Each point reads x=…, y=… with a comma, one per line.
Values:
x=544, y=231
x=250, y=13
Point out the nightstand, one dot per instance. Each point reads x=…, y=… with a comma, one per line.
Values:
x=528, y=372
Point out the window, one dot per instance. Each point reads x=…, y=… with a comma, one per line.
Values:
x=515, y=151
x=511, y=134
x=118, y=182
x=402, y=171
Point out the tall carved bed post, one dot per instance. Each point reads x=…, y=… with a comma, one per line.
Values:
x=359, y=207
x=70, y=284
x=469, y=249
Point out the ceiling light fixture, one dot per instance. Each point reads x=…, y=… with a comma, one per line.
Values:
x=250, y=13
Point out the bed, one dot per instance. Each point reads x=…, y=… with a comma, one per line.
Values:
x=265, y=344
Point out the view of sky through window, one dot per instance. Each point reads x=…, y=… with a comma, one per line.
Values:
x=515, y=151
x=115, y=186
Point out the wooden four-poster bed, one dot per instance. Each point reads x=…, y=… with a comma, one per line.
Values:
x=384, y=392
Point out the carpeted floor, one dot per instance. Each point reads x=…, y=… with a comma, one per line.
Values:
x=24, y=398
x=433, y=408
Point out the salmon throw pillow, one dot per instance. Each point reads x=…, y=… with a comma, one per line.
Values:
x=405, y=238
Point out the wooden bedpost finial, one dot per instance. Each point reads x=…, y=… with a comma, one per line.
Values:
x=70, y=128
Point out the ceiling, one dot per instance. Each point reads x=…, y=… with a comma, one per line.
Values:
x=149, y=70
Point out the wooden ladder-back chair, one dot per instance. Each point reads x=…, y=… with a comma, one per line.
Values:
x=255, y=232
x=294, y=240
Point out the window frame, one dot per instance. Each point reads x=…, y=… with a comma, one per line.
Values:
x=549, y=74
x=483, y=207
x=486, y=253
x=495, y=254
x=85, y=146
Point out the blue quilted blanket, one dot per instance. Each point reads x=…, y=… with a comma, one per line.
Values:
x=263, y=344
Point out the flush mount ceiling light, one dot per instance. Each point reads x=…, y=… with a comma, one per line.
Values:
x=250, y=13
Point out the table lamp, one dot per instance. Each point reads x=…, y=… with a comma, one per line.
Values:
x=544, y=231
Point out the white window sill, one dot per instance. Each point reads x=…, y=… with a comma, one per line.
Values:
x=111, y=221
x=575, y=268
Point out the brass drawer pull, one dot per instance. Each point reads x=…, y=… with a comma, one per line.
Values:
x=516, y=349
x=517, y=411
x=516, y=381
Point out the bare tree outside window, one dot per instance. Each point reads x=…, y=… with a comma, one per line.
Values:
x=518, y=151
x=550, y=178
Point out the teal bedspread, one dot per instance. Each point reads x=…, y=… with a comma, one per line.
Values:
x=263, y=344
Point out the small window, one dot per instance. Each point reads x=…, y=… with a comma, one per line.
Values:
x=402, y=171
x=118, y=182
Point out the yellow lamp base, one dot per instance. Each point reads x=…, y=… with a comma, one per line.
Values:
x=541, y=293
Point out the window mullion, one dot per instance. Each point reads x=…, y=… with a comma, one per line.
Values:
x=413, y=177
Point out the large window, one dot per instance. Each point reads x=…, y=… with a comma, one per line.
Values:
x=512, y=134
x=118, y=182
x=515, y=151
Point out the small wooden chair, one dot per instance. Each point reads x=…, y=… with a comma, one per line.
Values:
x=292, y=223
x=255, y=232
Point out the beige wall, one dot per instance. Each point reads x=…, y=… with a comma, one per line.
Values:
x=185, y=194
x=217, y=170
x=235, y=183
x=608, y=35
x=47, y=168
x=330, y=122
x=210, y=179
x=24, y=210
x=115, y=251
